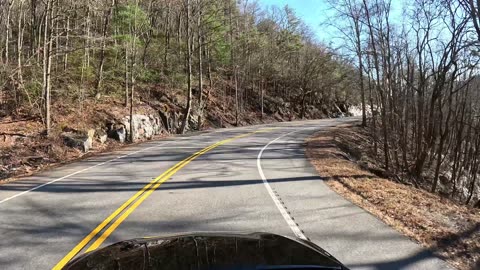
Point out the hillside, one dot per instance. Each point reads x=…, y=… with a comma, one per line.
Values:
x=26, y=149
x=73, y=75
x=449, y=230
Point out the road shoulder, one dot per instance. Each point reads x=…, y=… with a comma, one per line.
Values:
x=449, y=230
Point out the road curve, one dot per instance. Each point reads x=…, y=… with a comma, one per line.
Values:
x=249, y=179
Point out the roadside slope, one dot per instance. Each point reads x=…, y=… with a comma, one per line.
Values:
x=24, y=149
x=449, y=230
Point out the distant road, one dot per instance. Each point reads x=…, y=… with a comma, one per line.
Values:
x=249, y=179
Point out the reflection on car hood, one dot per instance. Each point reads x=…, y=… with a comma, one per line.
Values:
x=209, y=251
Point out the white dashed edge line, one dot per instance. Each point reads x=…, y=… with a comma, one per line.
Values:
x=293, y=226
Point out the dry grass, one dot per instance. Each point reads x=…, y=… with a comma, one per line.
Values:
x=450, y=230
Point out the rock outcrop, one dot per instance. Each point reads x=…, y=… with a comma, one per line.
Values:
x=80, y=141
x=171, y=121
x=144, y=126
x=101, y=136
x=116, y=132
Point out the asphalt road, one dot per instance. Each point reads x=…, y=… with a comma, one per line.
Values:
x=251, y=179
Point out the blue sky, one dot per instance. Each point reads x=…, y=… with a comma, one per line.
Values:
x=316, y=12
x=312, y=12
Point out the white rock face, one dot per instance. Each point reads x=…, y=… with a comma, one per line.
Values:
x=144, y=126
x=357, y=110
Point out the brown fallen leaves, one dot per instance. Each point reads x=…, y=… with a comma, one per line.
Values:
x=449, y=230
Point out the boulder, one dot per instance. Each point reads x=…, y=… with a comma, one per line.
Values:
x=192, y=121
x=101, y=136
x=165, y=116
x=110, y=126
x=156, y=124
x=278, y=117
x=91, y=133
x=144, y=126
x=125, y=122
x=175, y=123
x=77, y=140
x=117, y=133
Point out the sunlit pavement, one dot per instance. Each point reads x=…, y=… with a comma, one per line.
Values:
x=221, y=189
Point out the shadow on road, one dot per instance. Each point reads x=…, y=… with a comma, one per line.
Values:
x=132, y=173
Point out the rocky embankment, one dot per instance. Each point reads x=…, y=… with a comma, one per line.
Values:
x=103, y=125
x=144, y=128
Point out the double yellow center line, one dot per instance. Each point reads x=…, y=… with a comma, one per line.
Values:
x=127, y=208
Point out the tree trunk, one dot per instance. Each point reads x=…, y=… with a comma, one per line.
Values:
x=67, y=44
x=7, y=35
x=167, y=39
x=360, y=64
x=377, y=84
x=102, y=50
x=236, y=95
x=189, y=67
x=21, y=27
x=132, y=72
x=200, y=63
x=304, y=103
x=33, y=25
x=262, y=98
x=47, y=58
x=87, y=38
x=209, y=68
x=126, y=75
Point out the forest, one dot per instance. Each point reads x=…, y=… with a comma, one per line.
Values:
x=414, y=74
x=419, y=78
x=72, y=51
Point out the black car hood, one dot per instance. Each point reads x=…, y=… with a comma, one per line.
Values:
x=209, y=251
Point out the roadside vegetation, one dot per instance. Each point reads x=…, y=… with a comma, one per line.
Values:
x=69, y=67
x=419, y=80
x=345, y=159
x=414, y=162
x=92, y=67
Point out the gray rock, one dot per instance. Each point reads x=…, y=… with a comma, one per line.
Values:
x=121, y=134
x=126, y=123
x=192, y=122
x=110, y=126
x=166, y=120
x=77, y=140
x=101, y=136
x=118, y=134
x=278, y=117
x=176, y=121
x=155, y=121
x=158, y=126
x=144, y=126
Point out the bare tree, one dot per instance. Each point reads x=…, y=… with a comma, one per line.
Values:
x=188, y=108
